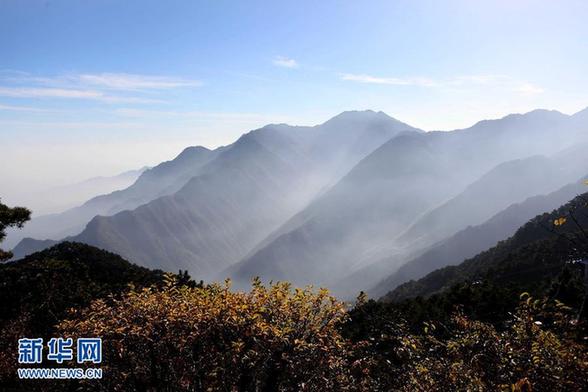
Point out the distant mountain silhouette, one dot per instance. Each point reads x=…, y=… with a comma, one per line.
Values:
x=165, y=178
x=342, y=204
x=241, y=195
x=474, y=239
x=29, y=245
x=361, y=219
x=53, y=200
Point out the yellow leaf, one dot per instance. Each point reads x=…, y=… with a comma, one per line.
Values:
x=559, y=221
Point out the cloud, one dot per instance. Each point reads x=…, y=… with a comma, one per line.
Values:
x=121, y=81
x=501, y=82
x=362, y=78
x=41, y=92
x=111, y=81
x=263, y=119
x=13, y=108
x=285, y=62
x=27, y=92
x=109, y=88
x=529, y=89
x=125, y=99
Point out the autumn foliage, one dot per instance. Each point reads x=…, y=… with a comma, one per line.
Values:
x=542, y=348
x=212, y=339
x=281, y=339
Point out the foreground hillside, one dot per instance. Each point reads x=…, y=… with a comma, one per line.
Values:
x=165, y=332
x=44, y=285
x=40, y=290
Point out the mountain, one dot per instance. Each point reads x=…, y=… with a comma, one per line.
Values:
x=29, y=245
x=71, y=195
x=508, y=183
x=537, y=251
x=474, y=239
x=356, y=222
x=42, y=287
x=165, y=178
x=241, y=195
x=45, y=288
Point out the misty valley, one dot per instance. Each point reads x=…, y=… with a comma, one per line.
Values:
x=456, y=230
x=340, y=205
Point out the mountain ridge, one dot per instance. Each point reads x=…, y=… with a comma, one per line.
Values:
x=535, y=245
x=312, y=163
x=472, y=240
x=405, y=176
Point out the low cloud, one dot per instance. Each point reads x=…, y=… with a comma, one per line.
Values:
x=103, y=87
x=363, y=78
x=285, y=62
x=123, y=81
x=529, y=89
x=12, y=108
x=498, y=81
x=195, y=115
x=40, y=92
x=27, y=92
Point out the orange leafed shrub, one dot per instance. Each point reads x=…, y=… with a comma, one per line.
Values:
x=212, y=339
x=281, y=339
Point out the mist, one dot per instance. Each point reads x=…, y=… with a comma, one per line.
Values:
x=343, y=204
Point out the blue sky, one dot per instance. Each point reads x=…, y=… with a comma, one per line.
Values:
x=96, y=87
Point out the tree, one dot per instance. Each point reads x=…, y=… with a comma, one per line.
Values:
x=11, y=217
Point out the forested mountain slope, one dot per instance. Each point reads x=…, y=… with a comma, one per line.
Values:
x=538, y=250
x=474, y=239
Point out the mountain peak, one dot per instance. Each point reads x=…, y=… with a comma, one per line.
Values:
x=364, y=119
x=190, y=151
x=359, y=115
x=535, y=115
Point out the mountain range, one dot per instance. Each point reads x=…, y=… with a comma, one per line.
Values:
x=368, y=223
x=212, y=207
x=360, y=202
x=473, y=240
x=51, y=200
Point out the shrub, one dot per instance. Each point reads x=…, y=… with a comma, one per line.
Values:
x=211, y=339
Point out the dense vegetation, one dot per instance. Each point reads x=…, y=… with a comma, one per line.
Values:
x=528, y=261
x=39, y=291
x=211, y=338
x=278, y=339
x=165, y=332
x=177, y=335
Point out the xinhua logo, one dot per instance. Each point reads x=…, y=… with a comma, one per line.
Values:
x=60, y=350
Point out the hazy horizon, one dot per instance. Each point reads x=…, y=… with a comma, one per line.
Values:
x=86, y=94
x=22, y=191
